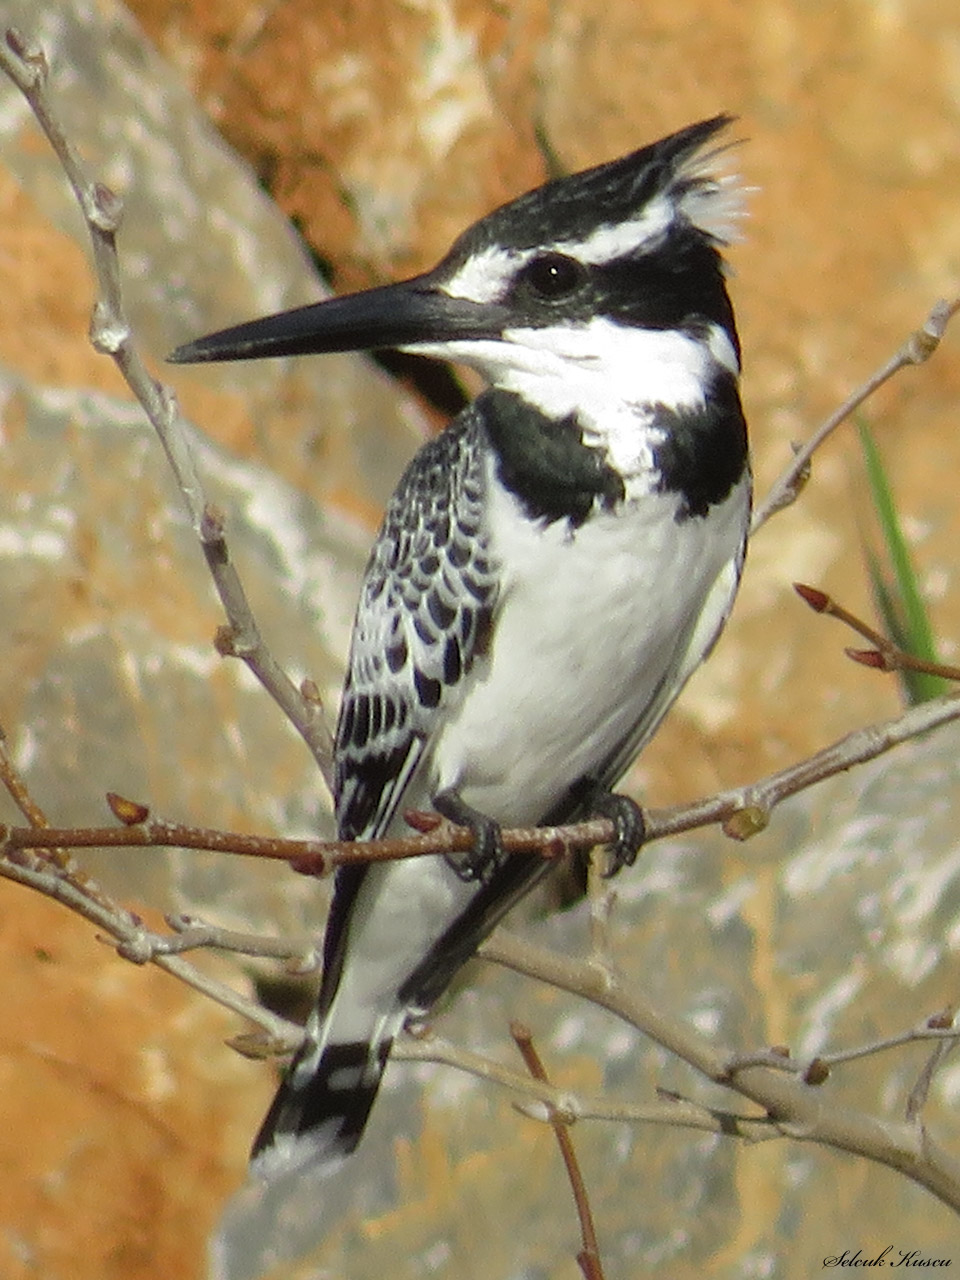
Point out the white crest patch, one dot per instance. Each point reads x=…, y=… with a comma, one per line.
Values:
x=714, y=203
x=716, y=200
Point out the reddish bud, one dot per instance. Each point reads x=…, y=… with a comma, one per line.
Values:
x=941, y=1021
x=309, y=864
x=421, y=820
x=869, y=658
x=818, y=600
x=553, y=848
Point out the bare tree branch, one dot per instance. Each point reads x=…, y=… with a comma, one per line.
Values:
x=545, y=1099
x=797, y=1109
x=918, y=348
x=743, y=811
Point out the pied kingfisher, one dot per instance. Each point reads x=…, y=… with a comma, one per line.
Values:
x=550, y=571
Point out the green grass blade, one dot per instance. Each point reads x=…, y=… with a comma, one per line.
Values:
x=899, y=600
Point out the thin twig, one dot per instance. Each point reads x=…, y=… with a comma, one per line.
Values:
x=918, y=348
x=602, y=897
x=17, y=789
x=543, y=1098
x=313, y=857
x=589, y=1255
x=885, y=655
x=241, y=638
x=948, y=1035
x=134, y=941
x=917, y=1098
x=193, y=934
x=742, y=811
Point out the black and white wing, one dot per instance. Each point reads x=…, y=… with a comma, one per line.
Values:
x=424, y=616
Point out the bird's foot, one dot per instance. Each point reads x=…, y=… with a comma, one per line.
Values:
x=483, y=859
x=627, y=817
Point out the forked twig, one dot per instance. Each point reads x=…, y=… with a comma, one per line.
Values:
x=917, y=1099
x=795, y=1108
x=41, y=863
x=885, y=655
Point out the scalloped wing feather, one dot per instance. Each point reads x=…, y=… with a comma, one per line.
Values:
x=424, y=616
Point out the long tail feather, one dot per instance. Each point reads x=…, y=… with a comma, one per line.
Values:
x=322, y=1106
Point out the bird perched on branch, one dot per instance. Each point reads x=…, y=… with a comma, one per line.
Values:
x=550, y=571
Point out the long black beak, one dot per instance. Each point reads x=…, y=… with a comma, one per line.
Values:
x=414, y=313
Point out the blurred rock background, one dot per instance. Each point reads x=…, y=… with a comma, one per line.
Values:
x=382, y=130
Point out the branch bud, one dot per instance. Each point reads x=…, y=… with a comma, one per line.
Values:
x=746, y=822
x=421, y=820
x=30, y=54
x=941, y=1021
x=223, y=641
x=818, y=600
x=816, y=1073
x=130, y=812
x=870, y=658
x=107, y=333
x=105, y=208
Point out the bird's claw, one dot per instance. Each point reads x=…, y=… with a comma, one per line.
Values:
x=627, y=818
x=485, y=856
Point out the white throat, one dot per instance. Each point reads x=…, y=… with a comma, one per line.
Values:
x=609, y=375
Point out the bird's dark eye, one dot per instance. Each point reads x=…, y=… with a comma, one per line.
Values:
x=553, y=275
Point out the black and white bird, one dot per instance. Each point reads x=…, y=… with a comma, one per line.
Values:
x=550, y=571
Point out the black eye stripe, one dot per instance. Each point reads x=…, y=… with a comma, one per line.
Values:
x=553, y=275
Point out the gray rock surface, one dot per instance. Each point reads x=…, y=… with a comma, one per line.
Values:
x=108, y=615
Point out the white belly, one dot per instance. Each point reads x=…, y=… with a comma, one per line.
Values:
x=590, y=623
